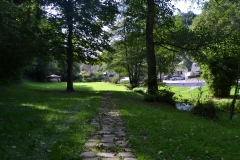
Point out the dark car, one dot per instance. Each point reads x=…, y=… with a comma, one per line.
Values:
x=167, y=77
x=177, y=77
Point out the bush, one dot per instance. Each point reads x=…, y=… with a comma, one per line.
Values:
x=164, y=96
x=141, y=91
x=97, y=77
x=86, y=78
x=205, y=109
x=115, y=79
x=128, y=85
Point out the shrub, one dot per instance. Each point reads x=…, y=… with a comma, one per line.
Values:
x=97, y=77
x=150, y=97
x=141, y=91
x=115, y=79
x=128, y=85
x=163, y=95
x=85, y=77
x=205, y=109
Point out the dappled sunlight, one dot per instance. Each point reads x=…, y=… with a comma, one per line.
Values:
x=40, y=107
x=126, y=113
x=47, y=108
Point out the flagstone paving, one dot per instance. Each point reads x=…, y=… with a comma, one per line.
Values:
x=109, y=142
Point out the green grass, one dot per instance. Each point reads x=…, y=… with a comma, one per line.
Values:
x=171, y=88
x=162, y=132
x=41, y=121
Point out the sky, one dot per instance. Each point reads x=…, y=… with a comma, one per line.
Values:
x=186, y=6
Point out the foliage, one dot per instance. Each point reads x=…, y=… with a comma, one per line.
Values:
x=41, y=69
x=115, y=79
x=166, y=60
x=97, y=77
x=188, y=17
x=128, y=58
x=85, y=77
x=220, y=57
x=205, y=109
x=20, y=36
x=153, y=16
x=219, y=75
x=162, y=96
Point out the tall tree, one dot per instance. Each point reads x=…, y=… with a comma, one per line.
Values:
x=221, y=57
x=129, y=58
x=82, y=22
x=151, y=59
x=130, y=49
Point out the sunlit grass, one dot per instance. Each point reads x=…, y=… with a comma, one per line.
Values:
x=100, y=86
x=171, y=88
x=78, y=86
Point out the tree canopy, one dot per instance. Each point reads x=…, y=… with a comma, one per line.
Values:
x=20, y=37
x=220, y=57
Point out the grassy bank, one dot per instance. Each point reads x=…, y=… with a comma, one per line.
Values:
x=40, y=121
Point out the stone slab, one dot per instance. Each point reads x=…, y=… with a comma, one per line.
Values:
x=109, y=135
x=87, y=154
x=90, y=144
x=107, y=140
x=122, y=143
x=107, y=155
x=125, y=154
x=127, y=149
x=110, y=145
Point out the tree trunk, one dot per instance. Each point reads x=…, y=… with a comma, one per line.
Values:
x=151, y=60
x=235, y=94
x=69, y=12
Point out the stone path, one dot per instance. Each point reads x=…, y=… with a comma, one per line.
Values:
x=109, y=142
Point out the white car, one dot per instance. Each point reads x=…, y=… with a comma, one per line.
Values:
x=177, y=77
x=124, y=79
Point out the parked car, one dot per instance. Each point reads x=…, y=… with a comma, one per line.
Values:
x=177, y=77
x=193, y=74
x=167, y=77
x=124, y=79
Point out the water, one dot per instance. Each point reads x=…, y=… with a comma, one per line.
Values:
x=184, y=106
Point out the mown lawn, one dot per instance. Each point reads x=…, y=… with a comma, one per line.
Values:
x=40, y=121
